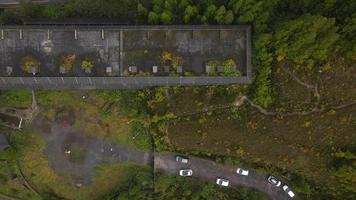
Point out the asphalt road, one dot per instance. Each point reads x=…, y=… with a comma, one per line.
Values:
x=16, y=2
x=209, y=171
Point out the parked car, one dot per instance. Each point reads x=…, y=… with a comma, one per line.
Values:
x=222, y=182
x=242, y=172
x=185, y=172
x=274, y=181
x=181, y=159
x=288, y=191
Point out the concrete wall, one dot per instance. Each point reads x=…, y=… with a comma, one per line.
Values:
x=61, y=83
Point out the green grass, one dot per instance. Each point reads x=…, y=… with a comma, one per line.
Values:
x=107, y=179
x=103, y=114
x=16, y=98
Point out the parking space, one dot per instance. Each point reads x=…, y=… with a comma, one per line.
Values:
x=157, y=55
x=48, y=45
x=190, y=49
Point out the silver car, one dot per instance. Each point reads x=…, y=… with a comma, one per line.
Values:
x=274, y=181
x=185, y=172
x=181, y=159
x=288, y=191
x=242, y=172
x=222, y=182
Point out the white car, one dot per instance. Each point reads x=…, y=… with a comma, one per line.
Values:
x=274, y=181
x=185, y=172
x=181, y=159
x=222, y=182
x=288, y=191
x=242, y=172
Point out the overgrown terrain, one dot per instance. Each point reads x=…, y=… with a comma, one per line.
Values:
x=296, y=120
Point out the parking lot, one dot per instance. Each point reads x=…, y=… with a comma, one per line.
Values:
x=195, y=47
x=46, y=45
x=209, y=171
x=112, y=50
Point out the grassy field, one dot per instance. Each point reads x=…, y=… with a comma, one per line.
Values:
x=107, y=181
x=15, y=98
x=97, y=113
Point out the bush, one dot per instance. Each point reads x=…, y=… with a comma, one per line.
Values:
x=29, y=62
x=67, y=61
x=15, y=98
x=263, y=59
x=230, y=68
x=87, y=63
x=139, y=136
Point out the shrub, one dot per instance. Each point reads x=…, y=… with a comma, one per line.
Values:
x=87, y=63
x=139, y=136
x=15, y=98
x=230, y=68
x=263, y=59
x=29, y=62
x=213, y=67
x=67, y=60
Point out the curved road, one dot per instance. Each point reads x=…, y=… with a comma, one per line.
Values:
x=209, y=170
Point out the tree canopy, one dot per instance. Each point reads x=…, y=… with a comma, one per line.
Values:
x=305, y=40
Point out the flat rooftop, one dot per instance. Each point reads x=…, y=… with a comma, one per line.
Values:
x=121, y=47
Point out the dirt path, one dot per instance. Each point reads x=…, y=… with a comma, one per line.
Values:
x=209, y=171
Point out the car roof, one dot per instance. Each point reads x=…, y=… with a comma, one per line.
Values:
x=291, y=193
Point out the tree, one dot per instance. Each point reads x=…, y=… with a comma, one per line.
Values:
x=142, y=11
x=28, y=9
x=345, y=173
x=209, y=13
x=153, y=18
x=158, y=5
x=220, y=15
x=252, y=11
x=166, y=17
x=53, y=11
x=349, y=34
x=189, y=13
x=229, y=17
x=306, y=39
x=263, y=59
x=8, y=17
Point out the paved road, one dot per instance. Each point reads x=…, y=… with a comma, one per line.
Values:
x=209, y=170
x=17, y=2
